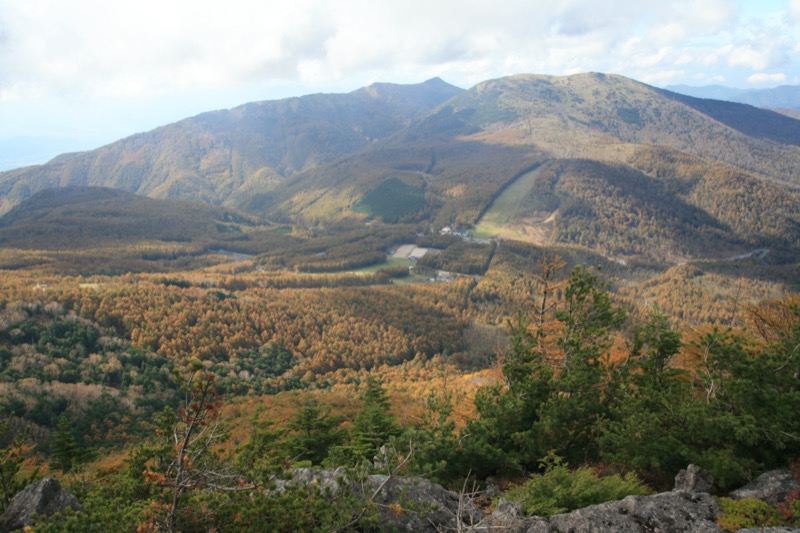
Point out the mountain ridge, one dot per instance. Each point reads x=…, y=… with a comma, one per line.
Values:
x=227, y=154
x=467, y=151
x=337, y=160
x=782, y=96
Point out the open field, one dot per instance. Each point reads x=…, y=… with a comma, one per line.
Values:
x=390, y=262
x=515, y=215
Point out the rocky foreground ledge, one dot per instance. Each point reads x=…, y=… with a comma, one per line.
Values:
x=414, y=504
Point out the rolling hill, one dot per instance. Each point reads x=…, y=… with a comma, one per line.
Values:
x=594, y=160
x=82, y=217
x=223, y=157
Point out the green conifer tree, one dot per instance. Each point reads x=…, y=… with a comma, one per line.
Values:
x=374, y=424
x=66, y=454
x=315, y=432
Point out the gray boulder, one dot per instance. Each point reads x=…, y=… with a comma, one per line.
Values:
x=688, y=508
x=416, y=504
x=45, y=497
x=508, y=517
x=772, y=487
x=324, y=478
x=694, y=479
x=769, y=530
x=668, y=512
x=405, y=503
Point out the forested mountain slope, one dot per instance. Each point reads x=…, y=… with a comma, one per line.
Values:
x=222, y=157
x=691, y=176
x=72, y=217
x=640, y=170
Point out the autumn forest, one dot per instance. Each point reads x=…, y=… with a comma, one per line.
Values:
x=601, y=279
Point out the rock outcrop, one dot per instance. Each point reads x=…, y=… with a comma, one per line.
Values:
x=769, y=530
x=45, y=497
x=421, y=505
x=772, y=487
x=416, y=504
x=688, y=508
x=405, y=503
x=694, y=479
x=668, y=512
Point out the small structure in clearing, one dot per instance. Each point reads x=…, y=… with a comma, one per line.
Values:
x=413, y=252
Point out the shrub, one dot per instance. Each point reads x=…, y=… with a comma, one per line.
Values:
x=747, y=513
x=560, y=490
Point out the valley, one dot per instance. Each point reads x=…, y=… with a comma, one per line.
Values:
x=618, y=288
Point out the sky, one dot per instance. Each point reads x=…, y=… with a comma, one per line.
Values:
x=78, y=74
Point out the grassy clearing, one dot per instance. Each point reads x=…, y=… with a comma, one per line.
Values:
x=410, y=280
x=394, y=262
x=507, y=207
x=391, y=200
x=390, y=262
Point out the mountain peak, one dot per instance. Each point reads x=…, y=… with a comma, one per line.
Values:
x=428, y=93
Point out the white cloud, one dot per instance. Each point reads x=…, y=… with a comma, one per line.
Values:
x=664, y=77
x=794, y=9
x=89, y=49
x=755, y=56
x=690, y=20
x=762, y=78
x=97, y=47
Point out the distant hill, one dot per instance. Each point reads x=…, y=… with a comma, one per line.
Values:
x=82, y=217
x=684, y=176
x=793, y=113
x=224, y=157
x=613, y=165
x=782, y=97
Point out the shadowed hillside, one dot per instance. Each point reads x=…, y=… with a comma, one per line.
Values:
x=749, y=120
x=81, y=217
x=666, y=211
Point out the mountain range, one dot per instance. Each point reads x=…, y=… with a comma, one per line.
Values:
x=595, y=160
x=785, y=97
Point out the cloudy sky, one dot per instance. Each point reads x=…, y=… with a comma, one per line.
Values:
x=77, y=74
